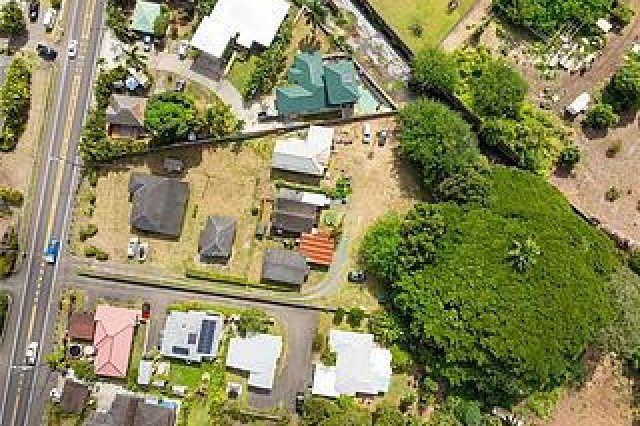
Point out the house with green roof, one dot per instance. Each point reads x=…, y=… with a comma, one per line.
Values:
x=144, y=17
x=317, y=87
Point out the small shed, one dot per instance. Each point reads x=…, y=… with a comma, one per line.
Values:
x=580, y=104
x=145, y=371
x=81, y=326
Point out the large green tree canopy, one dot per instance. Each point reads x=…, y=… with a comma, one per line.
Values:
x=442, y=144
x=170, y=117
x=511, y=293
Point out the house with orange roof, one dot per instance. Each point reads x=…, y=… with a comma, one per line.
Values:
x=112, y=339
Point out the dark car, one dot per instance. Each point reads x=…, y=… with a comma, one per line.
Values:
x=299, y=402
x=356, y=276
x=34, y=10
x=46, y=52
x=181, y=85
x=382, y=137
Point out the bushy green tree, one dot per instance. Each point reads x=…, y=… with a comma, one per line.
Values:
x=497, y=90
x=161, y=23
x=445, y=149
x=601, y=116
x=170, y=117
x=15, y=101
x=217, y=120
x=433, y=70
x=570, y=156
x=12, y=20
x=623, y=90
x=253, y=321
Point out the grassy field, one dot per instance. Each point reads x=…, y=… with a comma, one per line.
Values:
x=431, y=16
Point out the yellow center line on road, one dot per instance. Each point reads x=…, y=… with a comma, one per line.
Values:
x=86, y=27
x=75, y=87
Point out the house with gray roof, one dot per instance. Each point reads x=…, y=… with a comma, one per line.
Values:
x=125, y=116
x=293, y=217
x=284, y=266
x=159, y=204
x=258, y=355
x=216, y=239
x=309, y=156
x=192, y=336
x=132, y=410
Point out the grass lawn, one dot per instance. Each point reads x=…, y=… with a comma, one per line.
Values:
x=241, y=71
x=198, y=415
x=188, y=375
x=432, y=16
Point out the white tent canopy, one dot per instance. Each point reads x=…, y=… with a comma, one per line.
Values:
x=580, y=104
x=250, y=21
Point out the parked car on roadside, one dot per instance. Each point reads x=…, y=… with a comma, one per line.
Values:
x=148, y=43
x=366, y=133
x=34, y=10
x=183, y=48
x=143, y=251
x=382, y=137
x=73, y=49
x=46, y=52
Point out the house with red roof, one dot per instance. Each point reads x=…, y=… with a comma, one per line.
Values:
x=112, y=339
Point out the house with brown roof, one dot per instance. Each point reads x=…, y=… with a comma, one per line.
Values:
x=125, y=116
x=318, y=248
x=112, y=339
x=74, y=396
x=81, y=326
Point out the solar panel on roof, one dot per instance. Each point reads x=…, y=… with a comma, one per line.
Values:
x=207, y=332
x=192, y=338
x=179, y=350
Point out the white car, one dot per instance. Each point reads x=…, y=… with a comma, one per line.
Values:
x=366, y=133
x=133, y=246
x=32, y=353
x=182, y=49
x=143, y=251
x=73, y=49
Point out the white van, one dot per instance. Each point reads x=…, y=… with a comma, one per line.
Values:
x=49, y=19
x=366, y=133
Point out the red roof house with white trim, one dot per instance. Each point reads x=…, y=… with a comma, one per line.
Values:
x=113, y=338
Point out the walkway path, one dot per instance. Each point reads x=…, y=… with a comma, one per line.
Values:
x=466, y=26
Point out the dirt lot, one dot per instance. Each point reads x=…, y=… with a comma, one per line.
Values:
x=224, y=180
x=605, y=400
x=598, y=171
x=381, y=183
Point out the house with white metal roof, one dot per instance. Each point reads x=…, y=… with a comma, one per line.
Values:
x=310, y=156
x=257, y=354
x=361, y=367
x=192, y=336
x=245, y=22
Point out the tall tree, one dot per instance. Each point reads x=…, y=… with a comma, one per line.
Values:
x=433, y=70
x=12, y=20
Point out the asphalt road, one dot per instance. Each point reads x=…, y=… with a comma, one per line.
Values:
x=20, y=404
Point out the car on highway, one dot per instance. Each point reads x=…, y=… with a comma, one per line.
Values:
x=132, y=247
x=32, y=353
x=73, y=49
x=46, y=52
x=34, y=10
x=357, y=276
x=51, y=252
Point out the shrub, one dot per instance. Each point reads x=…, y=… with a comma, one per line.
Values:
x=622, y=14
x=15, y=101
x=634, y=261
x=328, y=357
x=11, y=196
x=319, y=342
x=355, y=317
x=102, y=255
x=614, y=149
x=252, y=321
x=613, y=193
x=88, y=232
x=92, y=177
x=400, y=359
x=90, y=251
x=570, y=156
x=601, y=116
x=338, y=316
x=407, y=401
